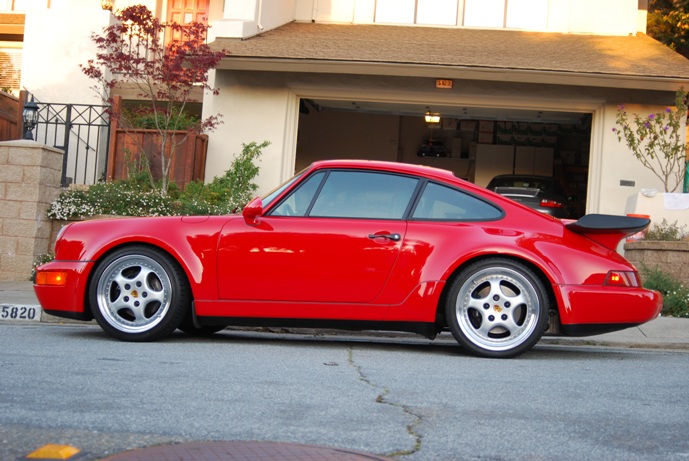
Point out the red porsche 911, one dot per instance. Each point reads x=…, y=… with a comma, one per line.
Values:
x=357, y=245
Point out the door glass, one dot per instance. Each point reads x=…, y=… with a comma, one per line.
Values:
x=358, y=194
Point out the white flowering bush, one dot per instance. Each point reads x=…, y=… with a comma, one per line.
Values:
x=114, y=198
x=675, y=294
x=136, y=197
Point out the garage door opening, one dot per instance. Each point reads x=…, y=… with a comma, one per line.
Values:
x=476, y=144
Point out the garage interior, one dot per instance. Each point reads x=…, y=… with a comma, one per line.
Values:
x=475, y=143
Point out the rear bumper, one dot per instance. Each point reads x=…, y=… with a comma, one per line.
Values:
x=67, y=300
x=591, y=310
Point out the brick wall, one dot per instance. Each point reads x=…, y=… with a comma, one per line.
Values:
x=29, y=182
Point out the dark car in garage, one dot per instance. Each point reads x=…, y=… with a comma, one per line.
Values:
x=542, y=193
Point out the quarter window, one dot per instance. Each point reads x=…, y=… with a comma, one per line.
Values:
x=443, y=203
x=297, y=204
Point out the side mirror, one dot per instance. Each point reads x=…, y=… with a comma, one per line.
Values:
x=252, y=211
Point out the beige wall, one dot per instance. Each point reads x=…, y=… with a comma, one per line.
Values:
x=55, y=43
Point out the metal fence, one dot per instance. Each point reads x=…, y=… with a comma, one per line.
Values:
x=82, y=131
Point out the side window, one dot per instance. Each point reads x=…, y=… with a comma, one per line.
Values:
x=361, y=194
x=447, y=204
x=297, y=203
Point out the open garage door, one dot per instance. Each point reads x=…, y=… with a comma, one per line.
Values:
x=475, y=143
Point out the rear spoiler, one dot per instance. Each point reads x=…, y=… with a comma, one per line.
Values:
x=606, y=229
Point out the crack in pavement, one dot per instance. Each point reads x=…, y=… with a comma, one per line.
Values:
x=382, y=399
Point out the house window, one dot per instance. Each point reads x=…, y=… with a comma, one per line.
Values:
x=425, y=12
x=510, y=14
x=185, y=12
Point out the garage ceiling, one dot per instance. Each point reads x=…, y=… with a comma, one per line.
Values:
x=451, y=111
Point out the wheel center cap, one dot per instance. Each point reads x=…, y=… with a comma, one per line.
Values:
x=497, y=308
x=134, y=294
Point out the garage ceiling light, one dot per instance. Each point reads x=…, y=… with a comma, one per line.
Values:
x=432, y=117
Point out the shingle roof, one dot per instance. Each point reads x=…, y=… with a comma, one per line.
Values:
x=636, y=56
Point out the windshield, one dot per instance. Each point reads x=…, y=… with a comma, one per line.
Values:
x=270, y=196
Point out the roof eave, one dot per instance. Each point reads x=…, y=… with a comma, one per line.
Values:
x=535, y=76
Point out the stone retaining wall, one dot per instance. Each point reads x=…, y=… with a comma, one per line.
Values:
x=670, y=257
x=29, y=181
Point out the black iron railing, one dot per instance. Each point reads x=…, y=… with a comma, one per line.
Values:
x=82, y=132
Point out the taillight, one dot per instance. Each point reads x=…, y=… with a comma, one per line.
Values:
x=550, y=204
x=622, y=279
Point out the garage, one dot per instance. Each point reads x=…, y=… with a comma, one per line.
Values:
x=516, y=102
x=473, y=142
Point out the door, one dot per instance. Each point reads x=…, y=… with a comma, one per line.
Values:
x=335, y=239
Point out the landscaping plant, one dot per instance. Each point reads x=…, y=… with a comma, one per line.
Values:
x=656, y=140
x=135, y=196
x=134, y=51
x=675, y=294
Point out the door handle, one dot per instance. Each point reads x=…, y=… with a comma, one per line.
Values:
x=393, y=237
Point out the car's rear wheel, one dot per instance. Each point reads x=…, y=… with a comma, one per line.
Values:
x=139, y=293
x=497, y=308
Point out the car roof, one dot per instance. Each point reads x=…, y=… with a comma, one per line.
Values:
x=420, y=170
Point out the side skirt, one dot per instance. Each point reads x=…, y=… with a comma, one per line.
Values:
x=428, y=330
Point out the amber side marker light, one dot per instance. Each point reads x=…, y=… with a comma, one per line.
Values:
x=51, y=278
x=53, y=451
x=621, y=279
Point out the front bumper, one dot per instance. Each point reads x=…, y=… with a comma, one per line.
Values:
x=69, y=298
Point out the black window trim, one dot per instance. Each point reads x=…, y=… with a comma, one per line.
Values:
x=420, y=187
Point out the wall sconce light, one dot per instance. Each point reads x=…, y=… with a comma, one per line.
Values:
x=106, y=4
x=432, y=117
x=30, y=118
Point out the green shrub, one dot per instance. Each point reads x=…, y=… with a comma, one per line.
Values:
x=675, y=294
x=666, y=231
x=144, y=117
x=229, y=192
x=138, y=196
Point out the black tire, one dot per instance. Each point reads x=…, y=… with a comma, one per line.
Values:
x=497, y=308
x=138, y=293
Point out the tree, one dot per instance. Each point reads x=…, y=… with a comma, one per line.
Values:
x=656, y=140
x=668, y=22
x=134, y=50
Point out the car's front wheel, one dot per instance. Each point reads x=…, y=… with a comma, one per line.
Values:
x=497, y=308
x=139, y=293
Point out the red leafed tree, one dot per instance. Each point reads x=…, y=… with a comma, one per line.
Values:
x=134, y=51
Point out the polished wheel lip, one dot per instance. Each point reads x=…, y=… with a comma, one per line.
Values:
x=144, y=294
x=465, y=304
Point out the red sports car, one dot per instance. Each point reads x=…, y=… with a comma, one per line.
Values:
x=355, y=245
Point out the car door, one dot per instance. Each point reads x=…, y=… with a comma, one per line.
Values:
x=334, y=239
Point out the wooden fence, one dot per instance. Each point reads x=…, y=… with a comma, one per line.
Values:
x=11, y=116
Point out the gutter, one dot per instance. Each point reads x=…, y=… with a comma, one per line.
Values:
x=618, y=81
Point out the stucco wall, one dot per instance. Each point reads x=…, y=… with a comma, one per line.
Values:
x=614, y=162
x=253, y=109
x=55, y=43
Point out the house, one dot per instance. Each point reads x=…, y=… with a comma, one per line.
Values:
x=518, y=85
